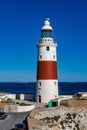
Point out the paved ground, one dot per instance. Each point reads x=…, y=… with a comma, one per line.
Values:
x=12, y=119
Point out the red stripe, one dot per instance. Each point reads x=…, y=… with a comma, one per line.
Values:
x=46, y=70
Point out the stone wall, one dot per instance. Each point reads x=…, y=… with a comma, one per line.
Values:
x=74, y=103
x=77, y=103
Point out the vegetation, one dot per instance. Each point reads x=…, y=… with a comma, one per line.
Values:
x=68, y=116
x=24, y=104
x=68, y=120
x=78, y=96
x=9, y=100
x=74, y=115
x=62, y=124
x=51, y=119
x=56, y=118
x=77, y=126
x=47, y=119
x=69, y=126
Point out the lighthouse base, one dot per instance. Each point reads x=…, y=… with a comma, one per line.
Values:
x=46, y=90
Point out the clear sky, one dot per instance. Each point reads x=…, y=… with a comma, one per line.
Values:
x=20, y=24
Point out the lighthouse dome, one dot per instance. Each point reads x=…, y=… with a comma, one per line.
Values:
x=46, y=25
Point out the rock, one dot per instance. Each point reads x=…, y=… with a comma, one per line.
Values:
x=58, y=118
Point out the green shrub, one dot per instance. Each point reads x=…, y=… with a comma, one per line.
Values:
x=68, y=116
x=74, y=115
x=9, y=100
x=56, y=118
x=70, y=126
x=24, y=104
x=46, y=119
x=77, y=126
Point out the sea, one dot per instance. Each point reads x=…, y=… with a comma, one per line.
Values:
x=64, y=88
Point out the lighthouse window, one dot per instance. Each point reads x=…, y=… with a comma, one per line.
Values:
x=45, y=39
x=47, y=48
x=40, y=56
x=54, y=83
x=39, y=98
x=53, y=56
x=39, y=83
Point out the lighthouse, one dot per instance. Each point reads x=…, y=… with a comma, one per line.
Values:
x=47, y=78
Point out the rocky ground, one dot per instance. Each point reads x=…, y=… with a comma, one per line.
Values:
x=58, y=118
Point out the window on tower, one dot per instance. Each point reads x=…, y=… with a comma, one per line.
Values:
x=45, y=39
x=39, y=83
x=53, y=56
x=55, y=83
x=47, y=48
x=40, y=56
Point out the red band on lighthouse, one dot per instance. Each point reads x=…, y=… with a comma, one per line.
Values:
x=47, y=70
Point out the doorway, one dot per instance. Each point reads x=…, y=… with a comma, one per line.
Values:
x=39, y=99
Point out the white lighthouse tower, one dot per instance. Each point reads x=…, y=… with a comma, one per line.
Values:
x=47, y=80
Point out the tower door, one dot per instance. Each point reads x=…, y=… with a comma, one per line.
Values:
x=39, y=99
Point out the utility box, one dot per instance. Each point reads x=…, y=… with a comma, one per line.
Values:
x=49, y=104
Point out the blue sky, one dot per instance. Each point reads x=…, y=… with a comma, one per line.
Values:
x=20, y=24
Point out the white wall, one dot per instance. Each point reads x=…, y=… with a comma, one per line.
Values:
x=21, y=96
x=4, y=96
x=13, y=96
x=47, y=90
x=25, y=108
x=47, y=55
x=16, y=108
x=10, y=108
